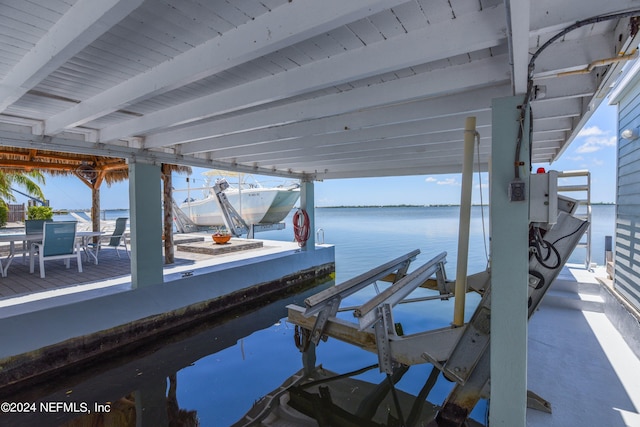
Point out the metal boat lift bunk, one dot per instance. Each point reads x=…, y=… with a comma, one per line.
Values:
x=460, y=353
x=233, y=221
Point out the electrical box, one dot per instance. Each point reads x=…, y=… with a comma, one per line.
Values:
x=543, y=198
x=544, y=201
x=517, y=191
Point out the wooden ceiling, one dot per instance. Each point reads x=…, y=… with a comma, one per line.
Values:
x=300, y=88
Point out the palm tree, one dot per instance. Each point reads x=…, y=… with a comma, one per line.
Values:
x=27, y=180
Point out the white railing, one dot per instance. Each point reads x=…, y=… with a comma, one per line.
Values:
x=578, y=183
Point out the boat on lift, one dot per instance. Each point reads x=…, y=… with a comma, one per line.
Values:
x=257, y=204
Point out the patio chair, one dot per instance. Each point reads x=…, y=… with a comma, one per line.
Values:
x=58, y=242
x=115, y=240
x=32, y=226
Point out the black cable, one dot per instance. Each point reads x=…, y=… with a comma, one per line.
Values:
x=527, y=99
x=538, y=244
x=558, y=258
x=568, y=235
x=396, y=401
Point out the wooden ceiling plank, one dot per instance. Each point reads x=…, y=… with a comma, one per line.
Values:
x=399, y=53
x=75, y=30
x=285, y=25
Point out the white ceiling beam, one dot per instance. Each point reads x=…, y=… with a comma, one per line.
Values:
x=552, y=125
x=553, y=15
x=285, y=25
x=416, y=165
x=404, y=156
x=356, y=151
x=398, y=52
x=568, y=107
x=549, y=136
x=380, y=123
x=402, y=113
x=518, y=34
x=352, y=102
x=421, y=129
x=546, y=145
x=572, y=55
x=83, y=23
x=548, y=90
x=379, y=170
x=358, y=148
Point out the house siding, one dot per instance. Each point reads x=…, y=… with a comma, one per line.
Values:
x=627, y=243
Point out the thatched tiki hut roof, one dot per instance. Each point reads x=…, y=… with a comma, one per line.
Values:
x=91, y=170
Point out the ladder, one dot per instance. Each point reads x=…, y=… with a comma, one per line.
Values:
x=579, y=184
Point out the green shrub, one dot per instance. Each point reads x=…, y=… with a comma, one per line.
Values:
x=39, y=212
x=4, y=214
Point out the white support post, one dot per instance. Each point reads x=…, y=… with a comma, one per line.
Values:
x=307, y=202
x=465, y=221
x=146, y=224
x=509, y=268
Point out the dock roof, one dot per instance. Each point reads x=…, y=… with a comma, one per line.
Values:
x=302, y=88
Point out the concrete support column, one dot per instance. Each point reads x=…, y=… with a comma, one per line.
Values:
x=307, y=202
x=146, y=224
x=509, y=268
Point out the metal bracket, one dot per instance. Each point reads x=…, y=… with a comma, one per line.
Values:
x=330, y=310
x=384, y=328
x=232, y=220
x=441, y=279
x=402, y=271
x=538, y=403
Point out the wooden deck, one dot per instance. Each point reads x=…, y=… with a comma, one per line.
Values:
x=110, y=268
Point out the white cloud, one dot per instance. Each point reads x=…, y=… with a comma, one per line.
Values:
x=591, y=131
x=431, y=179
x=598, y=162
x=448, y=181
x=594, y=139
x=596, y=143
x=575, y=158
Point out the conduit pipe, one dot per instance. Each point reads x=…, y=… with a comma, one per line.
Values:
x=465, y=222
x=600, y=63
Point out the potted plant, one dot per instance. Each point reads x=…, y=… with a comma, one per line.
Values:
x=40, y=212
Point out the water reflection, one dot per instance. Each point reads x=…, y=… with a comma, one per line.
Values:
x=327, y=399
x=230, y=371
x=151, y=385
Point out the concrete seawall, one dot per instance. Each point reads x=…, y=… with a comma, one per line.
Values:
x=50, y=340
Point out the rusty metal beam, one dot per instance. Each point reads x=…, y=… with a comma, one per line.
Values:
x=336, y=328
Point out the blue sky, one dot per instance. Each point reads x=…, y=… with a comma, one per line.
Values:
x=594, y=149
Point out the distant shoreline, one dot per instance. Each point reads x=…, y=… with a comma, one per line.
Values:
x=422, y=206
x=66, y=211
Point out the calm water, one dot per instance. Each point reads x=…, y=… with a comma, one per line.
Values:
x=221, y=370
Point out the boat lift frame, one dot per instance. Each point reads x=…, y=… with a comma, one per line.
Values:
x=460, y=353
x=233, y=221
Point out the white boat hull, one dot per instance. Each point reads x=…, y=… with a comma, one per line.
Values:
x=255, y=205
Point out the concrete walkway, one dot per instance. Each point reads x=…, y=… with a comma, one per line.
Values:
x=579, y=361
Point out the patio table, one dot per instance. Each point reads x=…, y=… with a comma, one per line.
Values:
x=12, y=238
